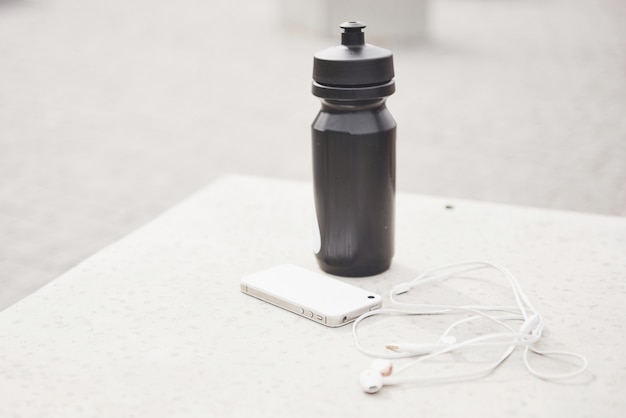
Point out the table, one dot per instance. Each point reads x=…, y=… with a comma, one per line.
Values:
x=155, y=324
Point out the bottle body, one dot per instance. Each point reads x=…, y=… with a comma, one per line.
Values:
x=354, y=163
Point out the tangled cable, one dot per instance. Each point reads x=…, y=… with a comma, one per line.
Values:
x=525, y=335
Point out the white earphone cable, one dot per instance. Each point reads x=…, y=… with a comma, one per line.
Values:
x=526, y=336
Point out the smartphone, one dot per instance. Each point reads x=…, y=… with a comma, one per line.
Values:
x=315, y=296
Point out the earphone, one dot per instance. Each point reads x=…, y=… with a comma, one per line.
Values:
x=514, y=334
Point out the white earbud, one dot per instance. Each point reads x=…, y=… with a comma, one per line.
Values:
x=382, y=366
x=371, y=380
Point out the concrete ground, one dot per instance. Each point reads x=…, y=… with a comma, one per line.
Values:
x=111, y=112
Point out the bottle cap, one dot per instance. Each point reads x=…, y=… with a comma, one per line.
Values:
x=353, y=70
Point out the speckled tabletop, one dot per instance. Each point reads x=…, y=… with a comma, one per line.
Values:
x=155, y=324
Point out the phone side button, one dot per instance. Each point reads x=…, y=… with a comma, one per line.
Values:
x=319, y=317
x=309, y=314
x=300, y=311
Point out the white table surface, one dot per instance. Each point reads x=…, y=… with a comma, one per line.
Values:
x=155, y=325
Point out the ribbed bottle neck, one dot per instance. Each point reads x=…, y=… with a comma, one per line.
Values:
x=352, y=105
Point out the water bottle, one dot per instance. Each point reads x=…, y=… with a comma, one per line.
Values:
x=354, y=156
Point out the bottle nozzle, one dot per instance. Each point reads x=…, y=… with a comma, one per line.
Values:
x=352, y=33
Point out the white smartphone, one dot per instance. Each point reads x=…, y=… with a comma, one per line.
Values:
x=312, y=295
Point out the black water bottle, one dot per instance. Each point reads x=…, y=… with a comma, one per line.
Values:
x=354, y=156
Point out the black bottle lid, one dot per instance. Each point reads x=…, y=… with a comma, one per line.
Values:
x=353, y=70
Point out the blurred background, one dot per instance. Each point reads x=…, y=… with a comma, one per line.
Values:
x=113, y=111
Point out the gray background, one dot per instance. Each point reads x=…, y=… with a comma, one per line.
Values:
x=113, y=111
